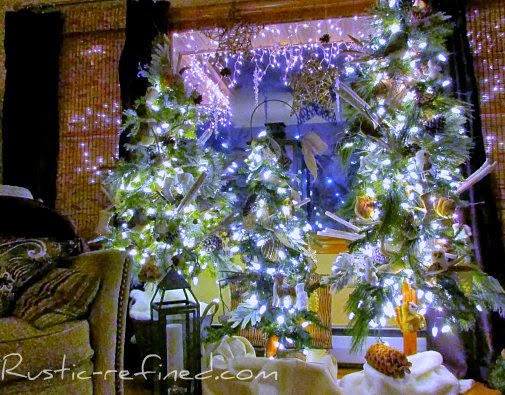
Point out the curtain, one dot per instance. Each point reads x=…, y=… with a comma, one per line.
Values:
x=30, y=111
x=145, y=20
x=486, y=340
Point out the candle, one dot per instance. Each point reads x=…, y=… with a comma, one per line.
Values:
x=174, y=348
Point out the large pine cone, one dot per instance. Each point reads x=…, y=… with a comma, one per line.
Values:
x=270, y=250
x=435, y=125
x=212, y=243
x=249, y=204
x=388, y=360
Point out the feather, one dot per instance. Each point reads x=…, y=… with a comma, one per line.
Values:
x=310, y=160
x=312, y=145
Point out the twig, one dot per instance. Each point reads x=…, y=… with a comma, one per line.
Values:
x=302, y=203
x=192, y=192
x=482, y=172
x=342, y=221
x=339, y=234
x=204, y=137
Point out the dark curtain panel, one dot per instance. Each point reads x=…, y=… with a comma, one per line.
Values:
x=30, y=123
x=487, y=339
x=145, y=20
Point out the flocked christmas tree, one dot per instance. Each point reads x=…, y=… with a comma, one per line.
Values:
x=408, y=224
x=278, y=260
x=168, y=202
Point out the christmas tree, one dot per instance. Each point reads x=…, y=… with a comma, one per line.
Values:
x=168, y=202
x=408, y=213
x=278, y=260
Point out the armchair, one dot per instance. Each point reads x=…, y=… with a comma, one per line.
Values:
x=61, y=359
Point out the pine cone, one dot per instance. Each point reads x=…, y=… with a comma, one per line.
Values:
x=212, y=243
x=388, y=360
x=435, y=125
x=378, y=257
x=225, y=72
x=248, y=205
x=270, y=249
x=324, y=39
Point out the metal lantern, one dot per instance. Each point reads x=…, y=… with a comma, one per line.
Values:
x=175, y=313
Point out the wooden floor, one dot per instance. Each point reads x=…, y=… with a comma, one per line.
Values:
x=138, y=388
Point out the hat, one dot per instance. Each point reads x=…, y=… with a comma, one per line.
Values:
x=19, y=192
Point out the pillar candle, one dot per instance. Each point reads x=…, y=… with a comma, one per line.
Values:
x=174, y=348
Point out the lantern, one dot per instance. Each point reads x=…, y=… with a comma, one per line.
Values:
x=175, y=313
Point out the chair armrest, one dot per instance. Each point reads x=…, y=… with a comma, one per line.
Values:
x=107, y=319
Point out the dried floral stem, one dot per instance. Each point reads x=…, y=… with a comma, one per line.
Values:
x=482, y=172
x=302, y=203
x=192, y=192
x=342, y=221
x=339, y=234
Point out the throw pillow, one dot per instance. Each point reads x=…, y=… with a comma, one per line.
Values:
x=24, y=261
x=62, y=295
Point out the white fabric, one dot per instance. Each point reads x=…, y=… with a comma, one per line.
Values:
x=230, y=347
x=11, y=190
x=427, y=377
x=271, y=377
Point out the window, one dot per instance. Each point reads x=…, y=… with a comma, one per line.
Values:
x=282, y=82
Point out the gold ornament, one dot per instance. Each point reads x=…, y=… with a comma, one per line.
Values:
x=145, y=135
x=420, y=4
x=408, y=319
x=172, y=80
x=249, y=221
x=364, y=207
x=150, y=271
x=314, y=302
x=288, y=208
x=272, y=346
x=235, y=35
x=388, y=360
x=270, y=250
x=445, y=207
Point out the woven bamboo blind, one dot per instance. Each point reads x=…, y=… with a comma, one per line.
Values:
x=90, y=112
x=486, y=28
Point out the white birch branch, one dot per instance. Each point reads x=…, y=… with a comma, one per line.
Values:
x=342, y=221
x=192, y=192
x=482, y=172
x=339, y=234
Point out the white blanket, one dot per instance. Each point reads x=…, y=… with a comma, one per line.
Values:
x=247, y=375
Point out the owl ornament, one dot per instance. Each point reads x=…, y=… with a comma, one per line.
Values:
x=302, y=299
x=423, y=161
x=439, y=262
x=281, y=290
x=388, y=360
x=364, y=207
